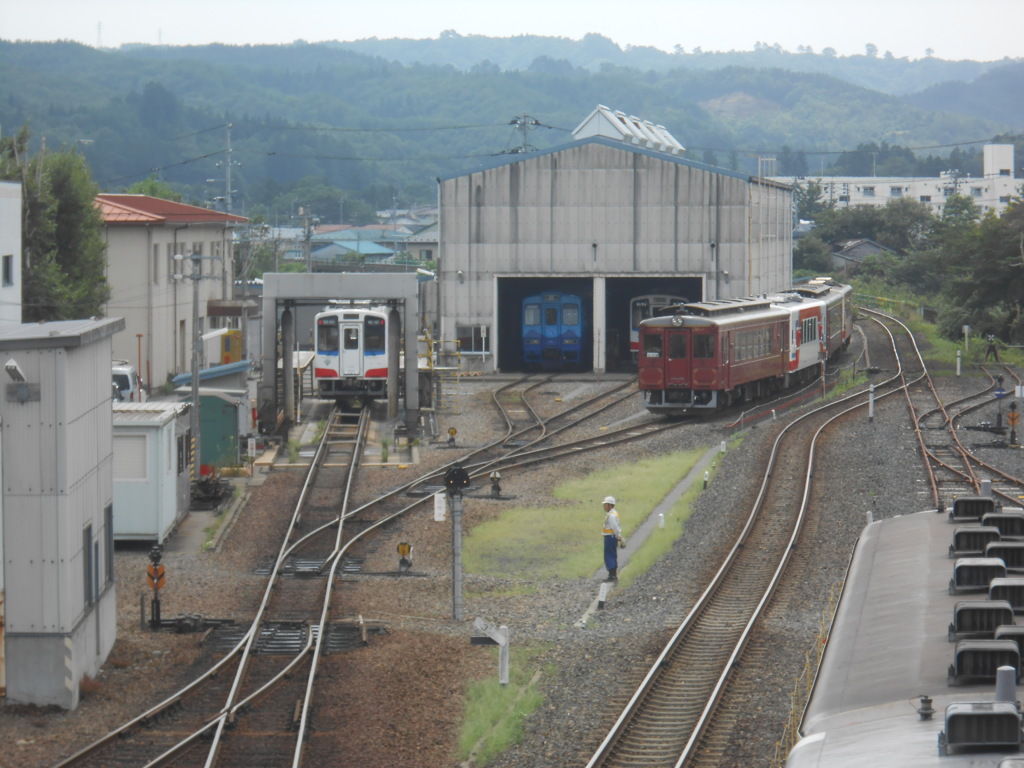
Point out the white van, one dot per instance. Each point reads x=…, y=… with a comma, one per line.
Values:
x=128, y=382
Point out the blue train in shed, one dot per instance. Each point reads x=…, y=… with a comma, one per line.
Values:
x=554, y=331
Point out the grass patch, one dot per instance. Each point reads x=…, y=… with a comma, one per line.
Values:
x=563, y=540
x=210, y=531
x=494, y=713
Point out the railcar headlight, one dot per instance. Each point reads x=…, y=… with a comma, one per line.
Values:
x=677, y=319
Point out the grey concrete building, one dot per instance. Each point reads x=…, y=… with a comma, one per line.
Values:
x=618, y=212
x=57, y=607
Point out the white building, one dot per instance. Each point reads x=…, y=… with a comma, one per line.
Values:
x=144, y=235
x=58, y=613
x=991, y=192
x=151, y=469
x=10, y=253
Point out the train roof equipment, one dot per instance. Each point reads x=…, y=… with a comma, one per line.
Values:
x=893, y=688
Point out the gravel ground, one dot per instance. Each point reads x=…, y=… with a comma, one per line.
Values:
x=410, y=691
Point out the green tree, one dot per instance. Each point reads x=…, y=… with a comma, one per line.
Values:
x=63, y=250
x=153, y=187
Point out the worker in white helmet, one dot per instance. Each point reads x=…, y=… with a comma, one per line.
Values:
x=612, y=532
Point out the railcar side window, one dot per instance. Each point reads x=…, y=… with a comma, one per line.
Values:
x=374, y=334
x=704, y=346
x=531, y=314
x=571, y=314
x=351, y=338
x=652, y=345
x=676, y=346
x=327, y=336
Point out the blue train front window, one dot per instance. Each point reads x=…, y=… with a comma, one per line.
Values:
x=531, y=314
x=327, y=334
x=550, y=315
x=571, y=314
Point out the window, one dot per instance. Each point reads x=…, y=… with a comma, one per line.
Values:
x=1004, y=199
x=571, y=314
x=754, y=343
x=676, y=346
x=926, y=198
x=703, y=346
x=531, y=314
x=8, y=269
x=844, y=198
x=473, y=338
x=808, y=330
x=895, y=191
x=975, y=191
x=375, y=335
x=550, y=315
x=327, y=334
x=426, y=254
x=351, y=338
x=652, y=345
x=156, y=262
x=869, y=191
x=88, y=566
x=108, y=541
x=130, y=457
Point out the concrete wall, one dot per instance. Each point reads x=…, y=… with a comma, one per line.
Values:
x=57, y=508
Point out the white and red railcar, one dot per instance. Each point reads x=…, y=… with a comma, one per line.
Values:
x=351, y=352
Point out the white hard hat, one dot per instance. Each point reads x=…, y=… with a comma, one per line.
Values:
x=609, y=500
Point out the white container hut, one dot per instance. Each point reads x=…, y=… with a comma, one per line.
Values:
x=151, y=469
x=58, y=612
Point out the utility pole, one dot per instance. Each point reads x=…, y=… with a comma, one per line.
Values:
x=195, y=276
x=524, y=124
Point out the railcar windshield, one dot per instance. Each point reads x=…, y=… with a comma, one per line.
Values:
x=652, y=345
x=571, y=314
x=327, y=334
x=550, y=315
x=531, y=314
x=375, y=334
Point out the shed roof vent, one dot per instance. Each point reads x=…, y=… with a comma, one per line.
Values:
x=981, y=725
x=613, y=124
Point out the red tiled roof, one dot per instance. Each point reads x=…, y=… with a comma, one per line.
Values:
x=143, y=209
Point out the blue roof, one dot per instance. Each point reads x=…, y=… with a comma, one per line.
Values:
x=518, y=158
x=214, y=372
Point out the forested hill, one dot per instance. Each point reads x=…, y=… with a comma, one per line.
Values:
x=372, y=125
x=877, y=70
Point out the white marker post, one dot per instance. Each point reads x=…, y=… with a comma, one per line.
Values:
x=492, y=635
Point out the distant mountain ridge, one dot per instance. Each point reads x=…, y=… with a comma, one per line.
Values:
x=365, y=120
x=593, y=52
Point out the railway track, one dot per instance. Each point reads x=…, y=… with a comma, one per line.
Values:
x=953, y=467
x=682, y=712
x=251, y=707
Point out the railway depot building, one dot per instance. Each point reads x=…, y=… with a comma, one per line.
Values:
x=619, y=212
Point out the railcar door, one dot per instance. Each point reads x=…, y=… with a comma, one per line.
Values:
x=351, y=363
x=551, y=328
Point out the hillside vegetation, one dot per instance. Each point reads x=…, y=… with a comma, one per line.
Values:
x=378, y=120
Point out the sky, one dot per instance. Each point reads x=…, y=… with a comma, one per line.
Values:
x=980, y=30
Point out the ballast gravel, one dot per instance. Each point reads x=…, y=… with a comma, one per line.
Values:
x=585, y=670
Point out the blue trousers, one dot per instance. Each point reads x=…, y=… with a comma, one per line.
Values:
x=611, y=552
